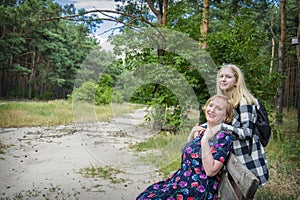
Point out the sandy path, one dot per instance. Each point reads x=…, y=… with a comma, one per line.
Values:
x=43, y=162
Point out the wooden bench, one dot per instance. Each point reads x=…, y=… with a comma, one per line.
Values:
x=237, y=181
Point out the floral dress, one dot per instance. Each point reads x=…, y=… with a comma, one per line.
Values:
x=190, y=182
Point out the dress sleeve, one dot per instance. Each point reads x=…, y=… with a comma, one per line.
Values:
x=243, y=122
x=222, y=147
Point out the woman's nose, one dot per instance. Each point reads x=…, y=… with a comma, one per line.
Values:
x=212, y=109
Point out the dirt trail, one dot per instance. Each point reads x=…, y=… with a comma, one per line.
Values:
x=44, y=162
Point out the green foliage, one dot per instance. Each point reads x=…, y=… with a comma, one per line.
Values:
x=104, y=90
x=185, y=16
x=44, y=54
x=240, y=44
x=86, y=92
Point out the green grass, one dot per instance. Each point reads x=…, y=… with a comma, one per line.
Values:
x=56, y=112
x=282, y=155
x=107, y=173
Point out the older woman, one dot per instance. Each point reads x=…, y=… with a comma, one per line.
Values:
x=202, y=159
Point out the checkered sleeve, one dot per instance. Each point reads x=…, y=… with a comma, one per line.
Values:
x=243, y=122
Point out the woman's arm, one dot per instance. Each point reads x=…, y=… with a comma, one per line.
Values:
x=211, y=165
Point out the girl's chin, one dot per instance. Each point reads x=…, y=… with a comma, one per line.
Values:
x=224, y=88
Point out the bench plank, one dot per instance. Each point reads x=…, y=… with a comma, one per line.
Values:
x=244, y=179
x=226, y=190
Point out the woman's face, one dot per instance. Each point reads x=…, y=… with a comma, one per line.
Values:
x=226, y=79
x=215, y=111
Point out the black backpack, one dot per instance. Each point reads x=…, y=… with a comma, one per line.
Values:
x=262, y=126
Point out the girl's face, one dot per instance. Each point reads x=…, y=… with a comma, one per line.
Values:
x=215, y=111
x=226, y=79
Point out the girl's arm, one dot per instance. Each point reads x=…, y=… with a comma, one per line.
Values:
x=243, y=122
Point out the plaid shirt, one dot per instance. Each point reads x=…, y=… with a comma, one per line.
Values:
x=242, y=128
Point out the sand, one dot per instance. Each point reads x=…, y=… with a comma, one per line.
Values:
x=44, y=162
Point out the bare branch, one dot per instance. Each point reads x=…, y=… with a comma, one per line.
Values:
x=106, y=13
x=155, y=11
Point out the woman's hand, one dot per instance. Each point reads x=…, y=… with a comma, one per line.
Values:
x=211, y=132
x=195, y=132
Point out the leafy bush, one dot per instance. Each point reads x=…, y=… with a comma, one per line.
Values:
x=86, y=92
x=104, y=90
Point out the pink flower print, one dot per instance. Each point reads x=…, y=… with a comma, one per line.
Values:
x=155, y=186
x=186, y=174
x=194, y=184
x=183, y=183
x=215, y=186
x=190, y=198
x=179, y=197
x=203, y=176
x=189, y=150
x=177, y=178
x=197, y=170
x=219, y=145
x=220, y=135
x=174, y=186
x=222, y=159
x=201, y=188
x=213, y=150
x=194, y=155
x=151, y=195
x=215, y=197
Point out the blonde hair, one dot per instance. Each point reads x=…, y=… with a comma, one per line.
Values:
x=240, y=90
x=229, y=107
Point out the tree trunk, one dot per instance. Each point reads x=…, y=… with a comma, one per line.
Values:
x=165, y=12
x=281, y=52
x=274, y=39
x=298, y=76
x=205, y=20
x=272, y=55
x=32, y=75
